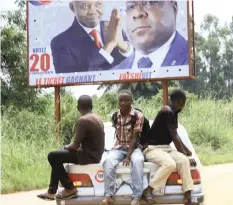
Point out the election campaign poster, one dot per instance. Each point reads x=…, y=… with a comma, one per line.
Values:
x=87, y=42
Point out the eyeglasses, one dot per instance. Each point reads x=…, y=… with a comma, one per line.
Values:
x=132, y=6
x=87, y=6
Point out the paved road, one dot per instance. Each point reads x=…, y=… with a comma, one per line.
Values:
x=218, y=182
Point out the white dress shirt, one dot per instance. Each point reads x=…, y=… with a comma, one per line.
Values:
x=157, y=57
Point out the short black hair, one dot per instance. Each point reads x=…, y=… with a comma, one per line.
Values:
x=85, y=102
x=128, y=92
x=177, y=94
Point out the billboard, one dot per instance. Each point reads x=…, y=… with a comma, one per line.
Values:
x=86, y=42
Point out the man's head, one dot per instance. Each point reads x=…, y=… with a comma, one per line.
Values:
x=125, y=101
x=84, y=104
x=149, y=24
x=177, y=99
x=88, y=13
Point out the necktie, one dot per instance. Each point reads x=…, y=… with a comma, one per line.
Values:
x=144, y=63
x=94, y=34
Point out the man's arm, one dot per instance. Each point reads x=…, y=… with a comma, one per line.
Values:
x=65, y=62
x=126, y=49
x=189, y=153
x=114, y=35
x=133, y=143
x=177, y=141
x=135, y=138
x=80, y=134
x=172, y=125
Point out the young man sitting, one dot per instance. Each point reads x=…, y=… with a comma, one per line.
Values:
x=157, y=149
x=126, y=149
x=87, y=148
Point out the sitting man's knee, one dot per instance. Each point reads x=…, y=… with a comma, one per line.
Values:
x=184, y=161
x=171, y=165
x=51, y=156
x=108, y=163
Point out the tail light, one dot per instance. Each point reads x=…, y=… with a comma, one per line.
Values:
x=174, y=178
x=81, y=180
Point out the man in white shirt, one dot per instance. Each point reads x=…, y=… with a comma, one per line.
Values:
x=90, y=44
x=151, y=29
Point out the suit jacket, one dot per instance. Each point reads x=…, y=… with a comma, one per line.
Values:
x=177, y=55
x=74, y=51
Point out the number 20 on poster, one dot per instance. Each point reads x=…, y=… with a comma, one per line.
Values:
x=40, y=62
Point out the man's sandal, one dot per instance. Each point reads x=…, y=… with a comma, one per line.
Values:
x=106, y=202
x=148, y=197
x=188, y=202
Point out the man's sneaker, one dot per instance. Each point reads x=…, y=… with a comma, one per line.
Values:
x=135, y=201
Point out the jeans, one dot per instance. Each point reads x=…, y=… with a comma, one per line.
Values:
x=113, y=158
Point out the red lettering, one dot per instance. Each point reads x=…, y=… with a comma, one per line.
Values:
x=138, y=76
x=38, y=81
x=45, y=81
x=121, y=76
x=132, y=75
x=34, y=57
x=45, y=62
x=61, y=80
x=129, y=76
x=51, y=81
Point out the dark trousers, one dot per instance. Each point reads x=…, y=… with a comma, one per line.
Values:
x=56, y=160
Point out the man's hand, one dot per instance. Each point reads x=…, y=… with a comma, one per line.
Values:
x=112, y=32
x=122, y=45
x=188, y=153
x=126, y=162
x=70, y=147
x=182, y=151
x=193, y=162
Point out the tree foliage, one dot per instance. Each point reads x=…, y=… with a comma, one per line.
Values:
x=14, y=86
x=214, y=59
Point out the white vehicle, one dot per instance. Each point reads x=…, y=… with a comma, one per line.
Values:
x=89, y=179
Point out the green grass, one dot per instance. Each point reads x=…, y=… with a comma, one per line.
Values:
x=24, y=166
x=28, y=137
x=26, y=140
x=213, y=157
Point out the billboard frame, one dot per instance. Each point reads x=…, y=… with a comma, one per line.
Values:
x=191, y=48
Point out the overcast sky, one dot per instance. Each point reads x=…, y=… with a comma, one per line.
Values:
x=223, y=9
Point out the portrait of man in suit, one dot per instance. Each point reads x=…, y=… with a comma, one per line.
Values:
x=151, y=29
x=90, y=44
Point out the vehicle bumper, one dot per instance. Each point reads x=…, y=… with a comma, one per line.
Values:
x=197, y=198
